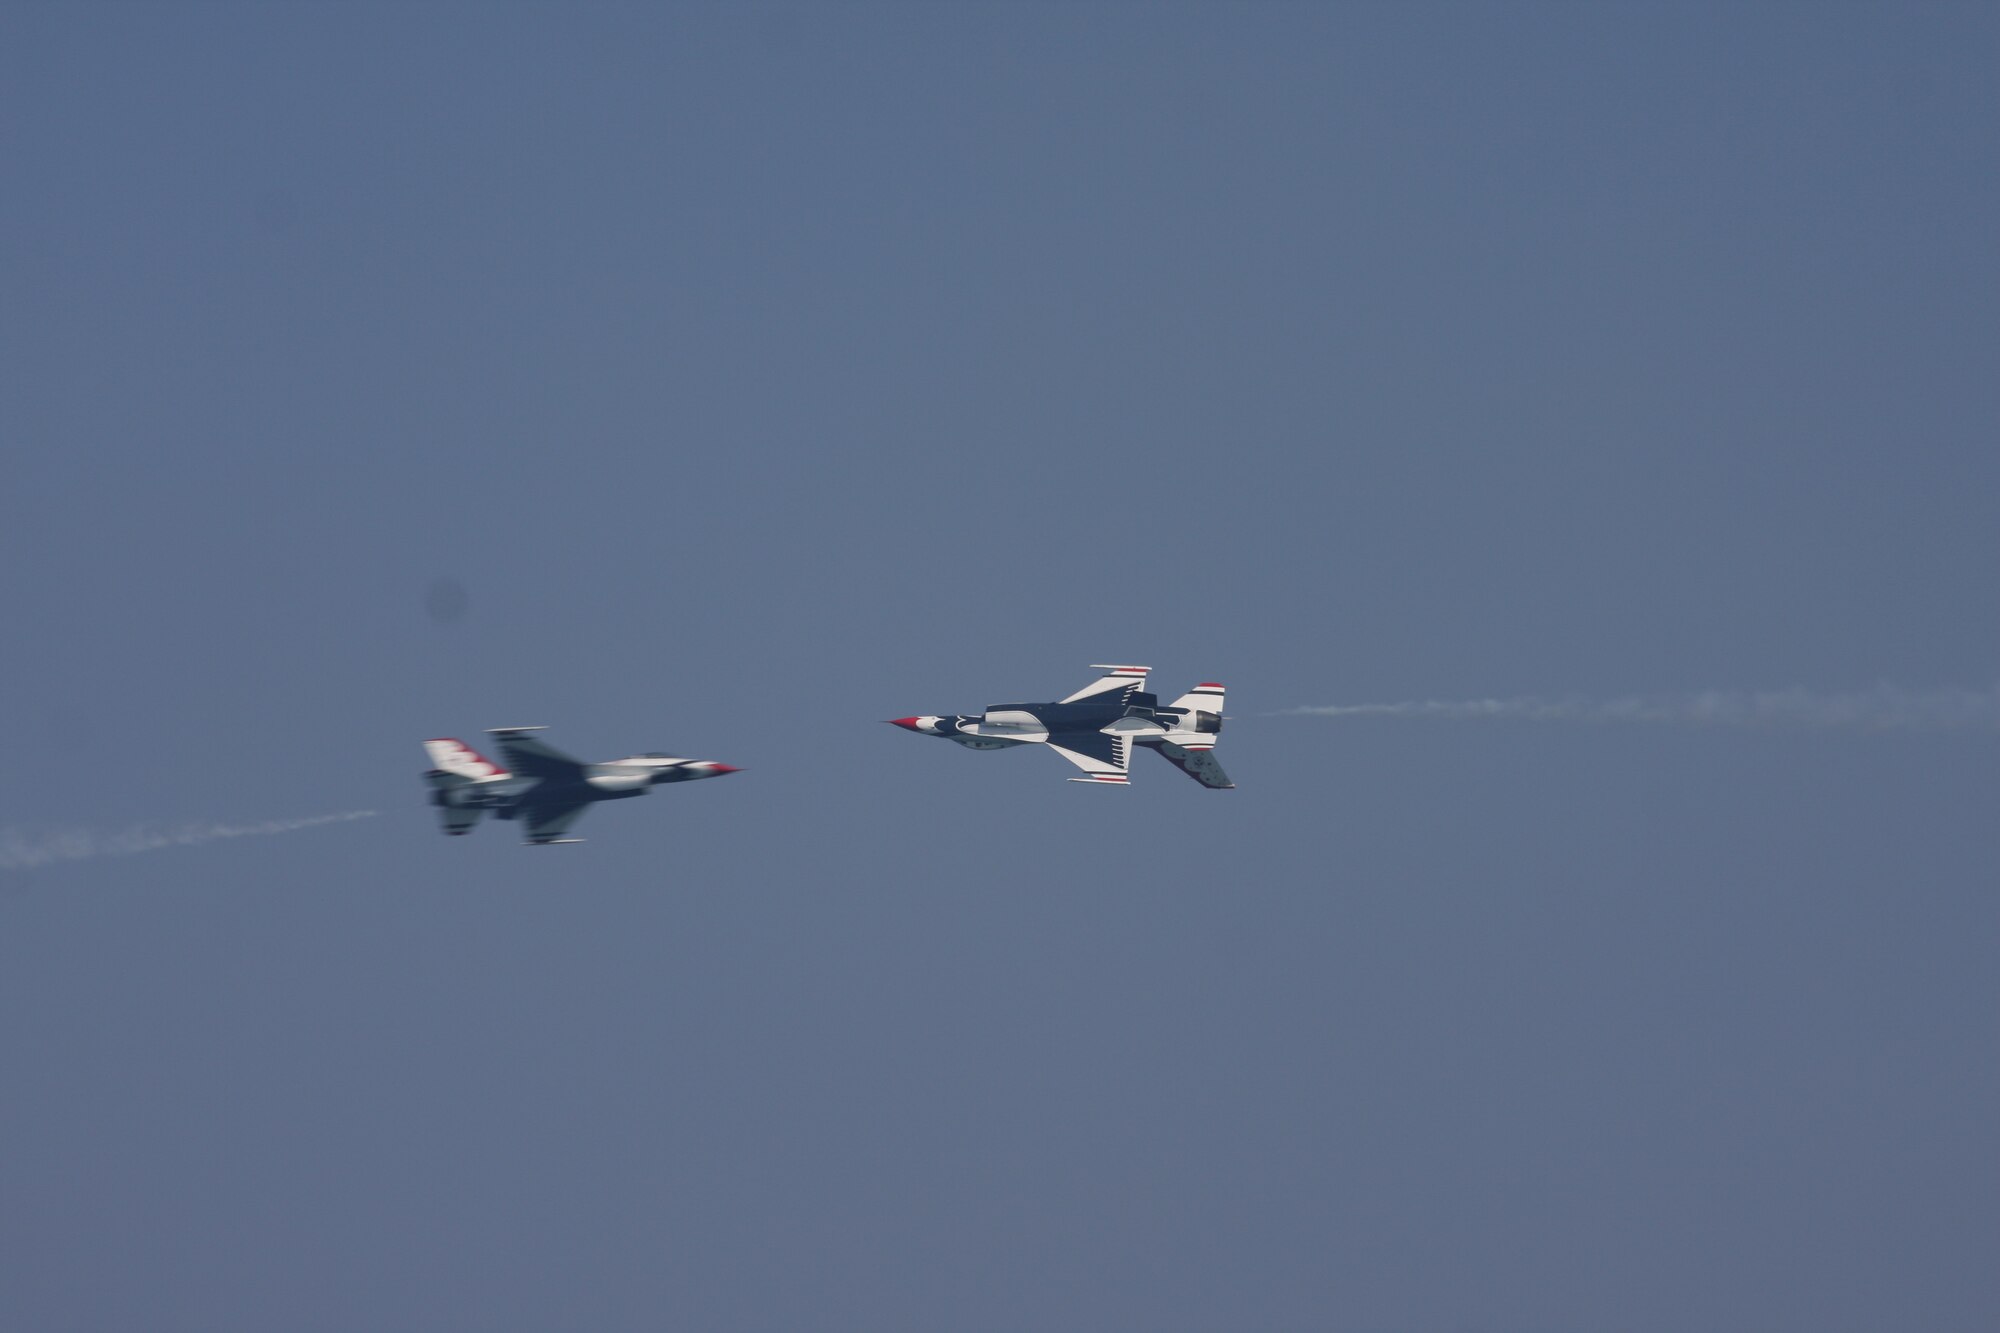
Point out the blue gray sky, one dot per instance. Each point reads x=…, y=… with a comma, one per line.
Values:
x=763, y=372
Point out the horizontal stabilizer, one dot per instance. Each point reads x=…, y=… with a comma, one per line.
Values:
x=1205, y=698
x=459, y=820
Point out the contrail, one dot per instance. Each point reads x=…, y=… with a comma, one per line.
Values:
x=1884, y=708
x=21, y=851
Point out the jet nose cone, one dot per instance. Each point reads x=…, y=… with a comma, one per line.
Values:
x=717, y=770
x=906, y=723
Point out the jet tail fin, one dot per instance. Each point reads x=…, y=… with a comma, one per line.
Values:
x=1197, y=761
x=461, y=760
x=1189, y=744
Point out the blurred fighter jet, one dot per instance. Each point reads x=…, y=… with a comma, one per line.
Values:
x=1096, y=727
x=547, y=790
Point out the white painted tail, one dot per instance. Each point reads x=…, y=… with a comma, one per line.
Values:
x=461, y=760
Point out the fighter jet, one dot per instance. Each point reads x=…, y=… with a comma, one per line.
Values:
x=547, y=790
x=1096, y=728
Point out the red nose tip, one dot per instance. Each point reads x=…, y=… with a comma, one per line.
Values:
x=907, y=723
x=719, y=769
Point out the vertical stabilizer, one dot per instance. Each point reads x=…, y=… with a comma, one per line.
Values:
x=461, y=760
x=1191, y=736
x=1198, y=762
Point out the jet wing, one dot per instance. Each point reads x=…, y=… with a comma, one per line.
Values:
x=531, y=758
x=1198, y=762
x=1120, y=680
x=545, y=824
x=1106, y=759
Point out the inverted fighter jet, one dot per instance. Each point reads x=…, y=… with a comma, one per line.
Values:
x=1096, y=728
x=546, y=790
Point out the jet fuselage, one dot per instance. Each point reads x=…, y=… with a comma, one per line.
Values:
x=1096, y=727
x=614, y=781
x=545, y=789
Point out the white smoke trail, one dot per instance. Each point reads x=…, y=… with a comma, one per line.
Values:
x=1884, y=708
x=21, y=851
